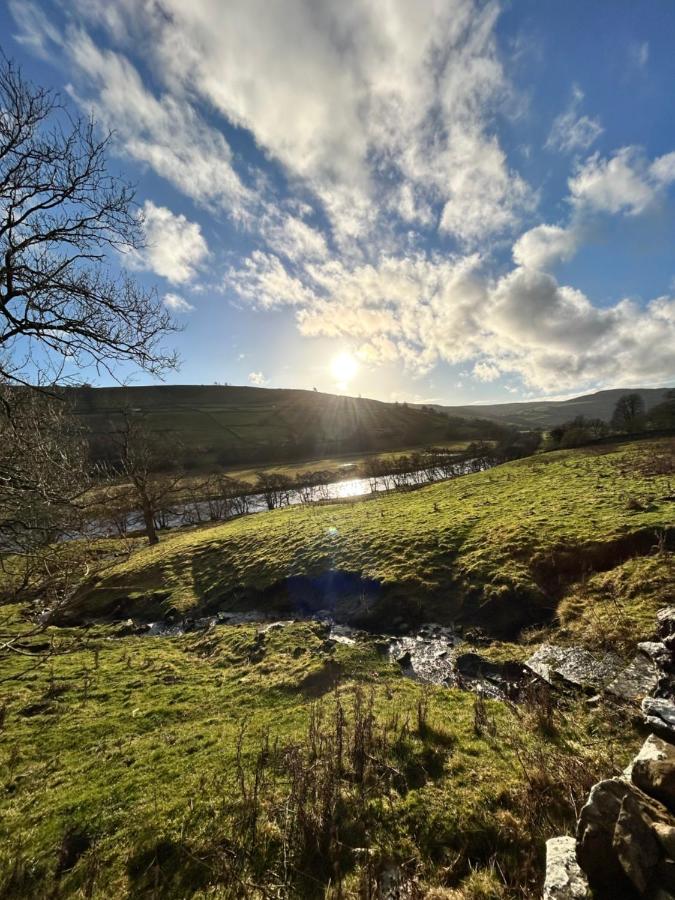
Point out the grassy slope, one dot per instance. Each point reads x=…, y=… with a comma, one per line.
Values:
x=498, y=547
x=120, y=770
x=218, y=423
x=546, y=413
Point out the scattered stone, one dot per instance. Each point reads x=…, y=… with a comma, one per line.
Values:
x=502, y=679
x=659, y=715
x=638, y=679
x=575, y=666
x=623, y=840
x=666, y=621
x=343, y=634
x=656, y=650
x=564, y=878
x=653, y=771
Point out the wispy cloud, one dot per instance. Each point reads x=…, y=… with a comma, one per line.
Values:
x=572, y=131
x=177, y=304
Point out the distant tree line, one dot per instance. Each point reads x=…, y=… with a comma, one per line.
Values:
x=630, y=416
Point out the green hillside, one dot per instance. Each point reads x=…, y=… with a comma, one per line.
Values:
x=547, y=413
x=224, y=425
x=259, y=762
x=500, y=548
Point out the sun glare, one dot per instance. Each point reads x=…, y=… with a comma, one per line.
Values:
x=344, y=367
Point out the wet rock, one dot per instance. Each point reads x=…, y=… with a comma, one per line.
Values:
x=507, y=679
x=625, y=840
x=653, y=770
x=564, y=878
x=637, y=680
x=659, y=715
x=575, y=666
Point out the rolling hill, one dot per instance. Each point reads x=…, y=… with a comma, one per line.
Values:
x=227, y=425
x=547, y=413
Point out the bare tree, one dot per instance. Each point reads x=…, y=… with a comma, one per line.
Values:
x=61, y=213
x=43, y=481
x=142, y=457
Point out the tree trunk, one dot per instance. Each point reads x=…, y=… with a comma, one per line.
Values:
x=149, y=520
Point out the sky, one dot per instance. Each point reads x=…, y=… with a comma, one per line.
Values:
x=434, y=201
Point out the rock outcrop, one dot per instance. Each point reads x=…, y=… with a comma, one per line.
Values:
x=564, y=878
x=625, y=844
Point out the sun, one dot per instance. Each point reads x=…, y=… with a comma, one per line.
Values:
x=344, y=367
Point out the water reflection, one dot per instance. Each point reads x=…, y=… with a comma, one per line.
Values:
x=201, y=512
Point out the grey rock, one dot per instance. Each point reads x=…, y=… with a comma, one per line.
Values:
x=656, y=650
x=564, y=878
x=637, y=680
x=652, y=749
x=666, y=620
x=624, y=840
x=574, y=665
x=659, y=715
x=653, y=770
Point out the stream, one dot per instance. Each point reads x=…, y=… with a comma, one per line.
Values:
x=200, y=512
x=432, y=654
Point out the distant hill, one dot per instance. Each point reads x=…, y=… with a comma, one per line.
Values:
x=547, y=413
x=221, y=425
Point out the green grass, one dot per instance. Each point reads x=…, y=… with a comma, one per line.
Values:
x=500, y=548
x=172, y=767
x=120, y=769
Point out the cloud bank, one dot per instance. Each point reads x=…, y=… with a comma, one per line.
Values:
x=378, y=187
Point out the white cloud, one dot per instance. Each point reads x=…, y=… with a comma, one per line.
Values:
x=352, y=103
x=175, y=246
x=258, y=379
x=618, y=184
x=570, y=130
x=293, y=238
x=484, y=371
x=265, y=283
x=663, y=168
x=176, y=303
x=164, y=132
x=419, y=311
x=545, y=245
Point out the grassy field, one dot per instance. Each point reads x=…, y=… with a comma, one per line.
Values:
x=501, y=548
x=235, y=763
x=205, y=766
x=211, y=426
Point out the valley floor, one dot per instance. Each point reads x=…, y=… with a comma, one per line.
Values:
x=241, y=761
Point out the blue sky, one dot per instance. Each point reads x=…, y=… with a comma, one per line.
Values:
x=466, y=201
